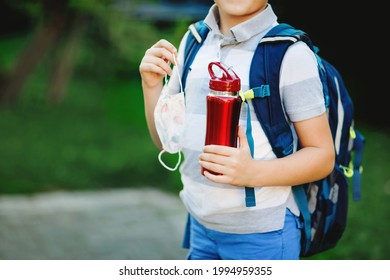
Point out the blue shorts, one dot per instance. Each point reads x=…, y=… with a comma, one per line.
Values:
x=284, y=244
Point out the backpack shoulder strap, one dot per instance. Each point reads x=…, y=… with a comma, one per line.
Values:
x=264, y=73
x=264, y=83
x=197, y=34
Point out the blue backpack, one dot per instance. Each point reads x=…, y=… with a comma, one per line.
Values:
x=323, y=204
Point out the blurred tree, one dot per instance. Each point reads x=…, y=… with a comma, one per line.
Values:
x=114, y=41
x=64, y=58
x=55, y=22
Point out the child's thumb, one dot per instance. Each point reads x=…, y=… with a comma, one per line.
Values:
x=243, y=141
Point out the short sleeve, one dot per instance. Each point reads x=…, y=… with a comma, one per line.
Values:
x=300, y=84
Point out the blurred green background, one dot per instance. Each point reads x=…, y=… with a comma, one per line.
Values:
x=71, y=113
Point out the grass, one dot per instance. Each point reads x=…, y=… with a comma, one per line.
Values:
x=98, y=139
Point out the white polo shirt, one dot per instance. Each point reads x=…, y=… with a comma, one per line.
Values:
x=219, y=206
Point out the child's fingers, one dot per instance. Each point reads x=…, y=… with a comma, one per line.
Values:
x=165, y=44
x=167, y=49
x=218, y=149
x=155, y=64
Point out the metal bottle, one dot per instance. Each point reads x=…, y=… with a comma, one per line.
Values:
x=223, y=107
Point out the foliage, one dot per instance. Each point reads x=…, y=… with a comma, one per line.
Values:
x=119, y=39
x=114, y=42
x=79, y=145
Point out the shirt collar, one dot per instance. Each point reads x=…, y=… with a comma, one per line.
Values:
x=247, y=29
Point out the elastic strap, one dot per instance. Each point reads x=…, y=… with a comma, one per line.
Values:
x=178, y=73
x=301, y=199
x=166, y=166
x=250, y=200
x=358, y=168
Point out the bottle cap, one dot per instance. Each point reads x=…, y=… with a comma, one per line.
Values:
x=228, y=82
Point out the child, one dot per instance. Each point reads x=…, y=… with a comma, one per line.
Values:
x=220, y=224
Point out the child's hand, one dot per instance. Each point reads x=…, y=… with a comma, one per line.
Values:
x=156, y=63
x=233, y=164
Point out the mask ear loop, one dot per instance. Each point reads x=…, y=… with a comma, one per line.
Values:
x=165, y=79
x=166, y=166
x=178, y=73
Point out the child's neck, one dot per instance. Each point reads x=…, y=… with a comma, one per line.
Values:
x=227, y=21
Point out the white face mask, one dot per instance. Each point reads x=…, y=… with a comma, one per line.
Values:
x=169, y=117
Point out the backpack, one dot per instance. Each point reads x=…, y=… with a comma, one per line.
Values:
x=323, y=204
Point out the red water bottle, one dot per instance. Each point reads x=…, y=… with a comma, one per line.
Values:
x=223, y=107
